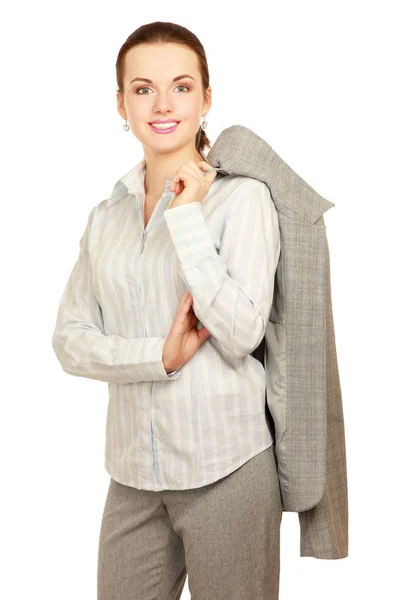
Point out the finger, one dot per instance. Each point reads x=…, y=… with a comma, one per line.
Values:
x=188, y=305
x=187, y=299
x=178, y=183
x=181, y=302
x=209, y=172
x=182, y=297
x=184, y=300
x=205, y=167
x=198, y=169
x=180, y=175
x=176, y=187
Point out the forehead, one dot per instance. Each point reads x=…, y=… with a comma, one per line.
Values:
x=160, y=62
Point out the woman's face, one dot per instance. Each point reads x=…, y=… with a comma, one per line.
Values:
x=164, y=98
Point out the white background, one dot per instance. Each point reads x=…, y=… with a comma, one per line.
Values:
x=327, y=85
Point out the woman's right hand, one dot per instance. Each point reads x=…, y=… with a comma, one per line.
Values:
x=184, y=340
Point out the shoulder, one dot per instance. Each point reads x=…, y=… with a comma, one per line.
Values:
x=252, y=190
x=96, y=213
x=246, y=184
x=97, y=209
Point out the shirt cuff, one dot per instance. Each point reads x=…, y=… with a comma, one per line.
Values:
x=161, y=368
x=190, y=233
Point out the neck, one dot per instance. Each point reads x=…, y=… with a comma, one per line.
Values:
x=160, y=168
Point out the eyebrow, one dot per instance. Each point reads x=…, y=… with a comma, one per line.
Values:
x=149, y=80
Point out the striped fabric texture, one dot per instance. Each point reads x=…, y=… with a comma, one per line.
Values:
x=192, y=426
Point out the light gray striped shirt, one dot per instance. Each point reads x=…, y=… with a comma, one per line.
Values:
x=199, y=423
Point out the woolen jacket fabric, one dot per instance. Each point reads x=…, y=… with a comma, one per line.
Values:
x=298, y=350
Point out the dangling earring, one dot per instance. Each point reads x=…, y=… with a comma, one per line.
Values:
x=204, y=124
x=126, y=126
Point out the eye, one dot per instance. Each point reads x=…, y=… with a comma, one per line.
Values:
x=146, y=88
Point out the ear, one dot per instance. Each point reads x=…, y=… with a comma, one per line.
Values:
x=208, y=101
x=120, y=105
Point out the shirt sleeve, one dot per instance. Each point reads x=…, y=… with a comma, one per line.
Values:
x=81, y=345
x=232, y=289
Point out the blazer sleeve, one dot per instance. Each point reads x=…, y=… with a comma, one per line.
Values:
x=232, y=289
x=81, y=345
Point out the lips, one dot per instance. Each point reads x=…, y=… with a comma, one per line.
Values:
x=162, y=130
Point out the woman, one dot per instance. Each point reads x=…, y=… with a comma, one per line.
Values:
x=170, y=294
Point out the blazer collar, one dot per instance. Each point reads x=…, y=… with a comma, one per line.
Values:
x=240, y=151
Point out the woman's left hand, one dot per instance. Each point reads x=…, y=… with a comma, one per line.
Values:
x=190, y=184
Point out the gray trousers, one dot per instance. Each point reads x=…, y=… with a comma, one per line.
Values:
x=225, y=536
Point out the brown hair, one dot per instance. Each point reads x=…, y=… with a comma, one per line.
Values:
x=163, y=32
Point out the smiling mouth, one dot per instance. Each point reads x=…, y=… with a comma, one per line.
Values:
x=164, y=129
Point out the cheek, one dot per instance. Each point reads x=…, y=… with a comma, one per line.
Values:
x=191, y=114
x=140, y=112
x=139, y=104
x=190, y=104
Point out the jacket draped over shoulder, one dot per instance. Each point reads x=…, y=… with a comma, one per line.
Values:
x=298, y=350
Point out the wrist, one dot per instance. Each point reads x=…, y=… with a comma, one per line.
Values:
x=176, y=203
x=168, y=367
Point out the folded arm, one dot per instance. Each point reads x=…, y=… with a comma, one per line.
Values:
x=232, y=289
x=81, y=345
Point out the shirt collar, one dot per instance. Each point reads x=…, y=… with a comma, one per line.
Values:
x=132, y=183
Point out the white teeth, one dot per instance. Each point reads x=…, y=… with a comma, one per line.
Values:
x=163, y=125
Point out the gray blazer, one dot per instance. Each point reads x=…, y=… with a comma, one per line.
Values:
x=298, y=350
